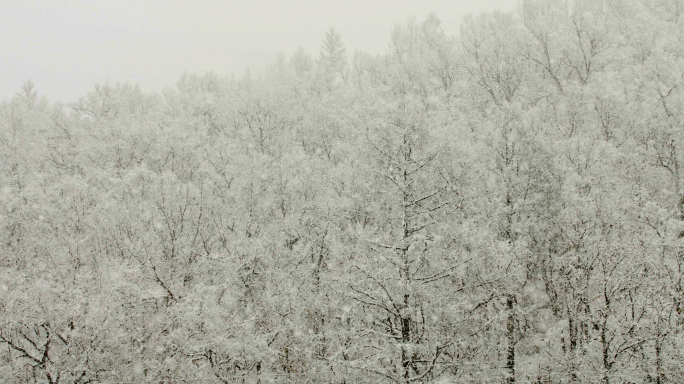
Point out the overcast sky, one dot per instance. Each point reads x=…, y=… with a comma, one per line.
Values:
x=67, y=46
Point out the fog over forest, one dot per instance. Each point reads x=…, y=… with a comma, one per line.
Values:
x=501, y=206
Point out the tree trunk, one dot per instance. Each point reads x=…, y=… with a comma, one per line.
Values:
x=510, y=333
x=405, y=339
x=606, y=363
x=659, y=362
x=572, y=329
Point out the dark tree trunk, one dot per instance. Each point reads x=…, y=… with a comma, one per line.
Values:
x=510, y=333
x=405, y=338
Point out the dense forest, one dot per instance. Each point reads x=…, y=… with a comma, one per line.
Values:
x=501, y=206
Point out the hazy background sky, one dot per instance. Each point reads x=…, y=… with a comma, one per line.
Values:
x=66, y=46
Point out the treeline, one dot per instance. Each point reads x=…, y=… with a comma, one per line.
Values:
x=501, y=206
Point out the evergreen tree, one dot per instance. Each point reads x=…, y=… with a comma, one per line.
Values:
x=333, y=59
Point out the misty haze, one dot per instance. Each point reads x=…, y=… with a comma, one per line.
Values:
x=369, y=192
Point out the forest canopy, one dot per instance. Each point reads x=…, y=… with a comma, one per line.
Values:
x=505, y=205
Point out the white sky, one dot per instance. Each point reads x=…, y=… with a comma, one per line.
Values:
x=67, y=46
